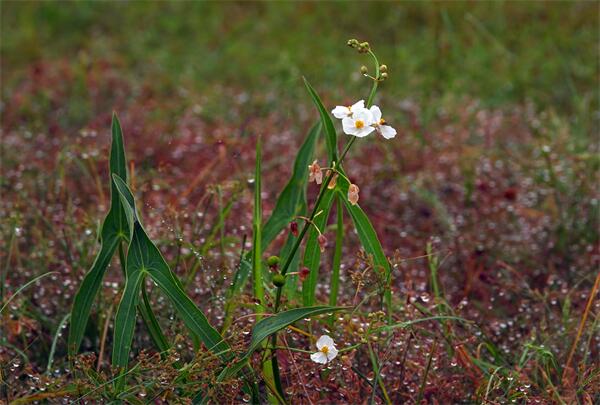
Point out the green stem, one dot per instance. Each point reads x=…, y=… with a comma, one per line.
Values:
x=375, y=82
x=289, y=258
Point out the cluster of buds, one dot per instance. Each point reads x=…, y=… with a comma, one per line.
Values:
x=361, y=47
x=383, y=72
x=273, y=263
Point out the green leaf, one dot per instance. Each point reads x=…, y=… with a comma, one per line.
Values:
x=268, y=326
x=367, y=236
x=114, y=229
x=312, y=252
x=126, y=315
x=143, y=256
x=289, y=202
x=258, y=288
x=330, y=134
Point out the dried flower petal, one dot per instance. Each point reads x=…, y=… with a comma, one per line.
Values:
x=322, y=242
x=294, y=228
x=353, y=194
x=315, y=173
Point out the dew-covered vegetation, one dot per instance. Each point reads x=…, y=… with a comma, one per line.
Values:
x=191, y=214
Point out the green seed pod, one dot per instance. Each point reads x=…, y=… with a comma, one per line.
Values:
x=383, y=68
x=278, y=280
x=273, y=261
x=364, y=70
x=384, y=76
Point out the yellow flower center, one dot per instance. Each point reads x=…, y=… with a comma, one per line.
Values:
x=325, y=350
x=359, y=124
x=382, y=122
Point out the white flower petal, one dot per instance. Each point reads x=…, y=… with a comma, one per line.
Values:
x=319, y=357
x=325, y=341
x=332, y=353
x=364, y=115
x=364, y=131
x=359, y=105
x=376, y=113
x=340, y=112
x=348, y=126
x=387, y=132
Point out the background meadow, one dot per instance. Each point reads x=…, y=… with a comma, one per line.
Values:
x=495, y=168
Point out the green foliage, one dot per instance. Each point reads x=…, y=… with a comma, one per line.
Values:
x=312, y=251
x=144, y=258
x=114, y=231
x=292, y=199
x=268, y=326
x=330, y=134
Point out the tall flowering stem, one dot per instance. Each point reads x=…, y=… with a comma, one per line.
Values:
x=324, y=187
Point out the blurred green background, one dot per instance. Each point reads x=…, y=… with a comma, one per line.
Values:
x=498, y=52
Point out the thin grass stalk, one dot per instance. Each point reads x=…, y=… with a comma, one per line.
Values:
x=337, y=255
x=424, y=382
x=582, y=324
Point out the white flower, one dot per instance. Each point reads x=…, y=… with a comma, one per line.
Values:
x=379, y=124
x=327, y=350
x=342, y=111
x=360, y=124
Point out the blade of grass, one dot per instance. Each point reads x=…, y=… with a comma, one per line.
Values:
x=337, y=254
x=270, y=369
x=257, y=272
x=23, y=287
x=57, y=335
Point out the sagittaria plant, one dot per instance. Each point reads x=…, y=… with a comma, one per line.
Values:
x=123, y=231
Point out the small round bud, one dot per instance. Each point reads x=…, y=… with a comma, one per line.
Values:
x=273, y=261
x=364, y=70
x=384, y=76
x=278, y=280
x=383, y=68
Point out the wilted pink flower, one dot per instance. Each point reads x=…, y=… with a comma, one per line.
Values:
x=315, y=173
x=303, y=273
x=322, y=242
x=353, y=194
x=294, y=228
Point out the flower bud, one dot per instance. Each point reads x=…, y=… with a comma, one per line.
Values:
x=294, y=228
x=383, y=68
x=364, y=70
x=384, y=76
x=333, y=180
x=278, y=280
x=322, y=242
x=273, y=261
